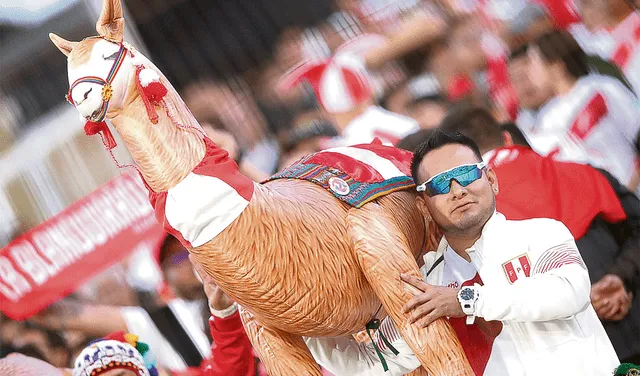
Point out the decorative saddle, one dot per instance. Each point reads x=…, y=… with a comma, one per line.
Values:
x=355, y=174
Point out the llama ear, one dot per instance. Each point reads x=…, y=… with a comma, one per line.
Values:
x=63, y=45
x=111, y=22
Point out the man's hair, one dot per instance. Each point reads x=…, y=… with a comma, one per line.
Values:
x=436, y=140
x=559, y=45
x=412, y=141
x=517, y=136
x=165, y=249
x=31, y=350
x=518, y=52
x=473, y=122
x=456, y=23
x=307, y=131
x=55, y=339
x=429, y=98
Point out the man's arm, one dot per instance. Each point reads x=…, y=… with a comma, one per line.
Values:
x=346, y=356
x=231, y=350
x=558, y=287
x=92, y=320
x=417, y=31
x=627, y=234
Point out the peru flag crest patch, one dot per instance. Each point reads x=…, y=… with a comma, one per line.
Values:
x=519, y=267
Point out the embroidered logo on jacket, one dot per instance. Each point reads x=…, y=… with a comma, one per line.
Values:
x=518, y=267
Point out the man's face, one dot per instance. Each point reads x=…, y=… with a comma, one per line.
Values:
x=529, y=95
x=428, y=114
x=179, y=273
x=463, y=208
x=466, y=46
x=539, y=70
x=120, y=372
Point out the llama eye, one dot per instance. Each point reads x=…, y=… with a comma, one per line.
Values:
x=112, y=56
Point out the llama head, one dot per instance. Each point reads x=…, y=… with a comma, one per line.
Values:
x=99, y=67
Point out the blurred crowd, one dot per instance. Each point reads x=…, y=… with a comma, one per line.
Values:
x=559, y=77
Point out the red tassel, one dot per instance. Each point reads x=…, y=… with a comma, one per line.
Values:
x=155, y=92
x=152, y=94
x=91, y=128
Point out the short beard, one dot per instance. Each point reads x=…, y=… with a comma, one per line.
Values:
x=473, y=223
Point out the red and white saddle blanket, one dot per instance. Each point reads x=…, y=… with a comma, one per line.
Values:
x=355, y=174
x=215, y=193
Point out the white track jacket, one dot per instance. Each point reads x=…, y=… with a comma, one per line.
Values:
x=534, y=315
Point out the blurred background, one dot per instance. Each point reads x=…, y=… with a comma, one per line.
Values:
x=227, y=60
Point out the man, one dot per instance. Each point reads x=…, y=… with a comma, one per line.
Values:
x=594, y=119
x=619, y=24
x=117, y=354
x=176, y=331
x=602, y=215
x=532, y=100
x=481, y=56
x=523, y=284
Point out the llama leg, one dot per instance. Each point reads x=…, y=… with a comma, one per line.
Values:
x=383, y=253
x=282, y=353
x=419, y=372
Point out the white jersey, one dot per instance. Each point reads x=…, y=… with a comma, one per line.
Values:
x=597, y=122
x=376, y=122
x=625, y=52
x=528, y=120
x=598, y=42
x=493, y=347
x=534, y=316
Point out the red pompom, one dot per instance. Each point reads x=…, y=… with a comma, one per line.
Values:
x=117, y=336
x=155, y=91
x=91, y=128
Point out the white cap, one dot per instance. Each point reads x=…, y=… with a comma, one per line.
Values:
x=342, y=82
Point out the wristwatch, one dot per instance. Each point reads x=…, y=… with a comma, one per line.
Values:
x=468, y=296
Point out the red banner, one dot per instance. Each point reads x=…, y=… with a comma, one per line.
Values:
x=56, y=257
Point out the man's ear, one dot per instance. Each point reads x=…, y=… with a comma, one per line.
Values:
x=507, y=139
x=422, y=206
x=493, y=180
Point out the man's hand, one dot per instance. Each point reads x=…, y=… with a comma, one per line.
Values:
x=218, y=300
x=432, y=303
x=610, y=299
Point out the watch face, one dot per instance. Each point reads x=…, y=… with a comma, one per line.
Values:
x=466, y=294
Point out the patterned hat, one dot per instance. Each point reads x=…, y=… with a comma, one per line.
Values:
x=118, y=350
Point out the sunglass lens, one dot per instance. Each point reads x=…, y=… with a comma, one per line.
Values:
x=441, y=184
x=469, y=177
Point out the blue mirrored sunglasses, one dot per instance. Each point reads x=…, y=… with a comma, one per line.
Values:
x=441, y=183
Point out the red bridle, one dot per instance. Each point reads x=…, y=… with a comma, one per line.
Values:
x=107, y=89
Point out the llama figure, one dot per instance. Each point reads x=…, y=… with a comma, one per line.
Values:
x=319, y=257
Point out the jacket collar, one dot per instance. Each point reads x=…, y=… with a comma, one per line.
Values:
x=490, y=227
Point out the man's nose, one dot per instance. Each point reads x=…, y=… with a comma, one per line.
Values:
x=457, y=190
